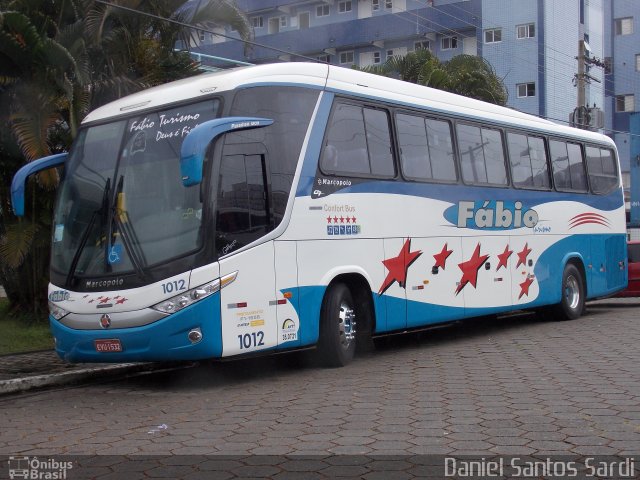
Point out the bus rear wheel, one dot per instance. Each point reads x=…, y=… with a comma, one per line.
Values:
x=337, y=342
x=573, y=294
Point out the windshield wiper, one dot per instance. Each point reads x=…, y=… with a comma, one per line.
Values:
x=85, y=235
x=127, y=233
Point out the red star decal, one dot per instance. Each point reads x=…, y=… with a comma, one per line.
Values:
x=121, y=301
x=341, y=219
x=398, y=267
x=328, y=219
x=348, y=220
x=522, y=256
x=470, y=269
x=441, y=258
x=105, y=300
x=504, y=257
x=335, y=219
x=524, y=287
x=353, y=219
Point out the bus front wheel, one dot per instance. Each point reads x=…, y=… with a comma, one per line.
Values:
x=337, y=343
x=573, y=294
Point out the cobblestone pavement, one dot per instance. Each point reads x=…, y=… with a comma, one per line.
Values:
x=512, y=386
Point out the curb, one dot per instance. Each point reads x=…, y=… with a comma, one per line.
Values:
x=64, y=378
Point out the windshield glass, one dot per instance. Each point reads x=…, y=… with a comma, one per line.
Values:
x=122, y=205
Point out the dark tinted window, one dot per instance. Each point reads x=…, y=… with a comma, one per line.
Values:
x=567, y=166
x=601, y=165
x=291, y=109
x=481, y=155
x=414, y=147
x=443, y=160
x=528, y=161
x=379, y=142
x=634, y=252
x=358, y=142
x=426, y=148
x=242, y=205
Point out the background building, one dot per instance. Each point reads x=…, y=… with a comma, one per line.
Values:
x=622, y=49
x=532, y=44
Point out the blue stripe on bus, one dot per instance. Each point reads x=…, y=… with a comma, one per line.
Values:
x=456, y=192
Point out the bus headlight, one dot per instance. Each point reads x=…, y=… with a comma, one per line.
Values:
x=56, y=312
x=177, y=303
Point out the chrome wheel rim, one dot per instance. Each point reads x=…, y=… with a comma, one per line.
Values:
x=572, y=292
x=346, y=325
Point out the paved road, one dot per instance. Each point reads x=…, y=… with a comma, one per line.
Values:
x=515, y=385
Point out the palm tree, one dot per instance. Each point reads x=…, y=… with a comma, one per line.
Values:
x=466, y=75
x=130, y=51
x=57, y=61
x=474, y=77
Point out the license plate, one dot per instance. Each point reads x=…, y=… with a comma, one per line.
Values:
x=106, y=346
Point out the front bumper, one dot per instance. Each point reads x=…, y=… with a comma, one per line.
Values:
x=163, y=340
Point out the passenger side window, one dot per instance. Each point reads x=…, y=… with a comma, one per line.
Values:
x=601, y=165
x=568, y=168
x=358, y=142
x=481, y=155
x=426, y=150
x=528, y=160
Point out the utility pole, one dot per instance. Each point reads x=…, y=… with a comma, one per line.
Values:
x=582, y=115
x=580, y=78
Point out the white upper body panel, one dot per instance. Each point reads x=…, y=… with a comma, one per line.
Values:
x=335, y=79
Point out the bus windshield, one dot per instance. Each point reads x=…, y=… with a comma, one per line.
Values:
x=122, y=205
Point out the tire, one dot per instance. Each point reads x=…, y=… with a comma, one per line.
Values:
x=337, y=343
x=571, y=304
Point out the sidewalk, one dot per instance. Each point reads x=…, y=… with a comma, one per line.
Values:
x=26, y=371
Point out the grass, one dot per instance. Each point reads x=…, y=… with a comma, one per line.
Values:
x=22, y=333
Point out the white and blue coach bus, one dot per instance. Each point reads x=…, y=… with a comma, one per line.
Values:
x=278, y=207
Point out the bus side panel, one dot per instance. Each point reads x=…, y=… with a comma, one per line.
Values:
x=248, y=305
x=432, y=283
x=287, y=295
x=399, y=254
x=549, y=266
x=321, y=261
x=609, y=273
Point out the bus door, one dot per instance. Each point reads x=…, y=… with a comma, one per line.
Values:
x=243, y=216
x=484, y=279
x=432, y=294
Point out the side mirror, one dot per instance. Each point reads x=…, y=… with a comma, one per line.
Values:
x=196, y=142
x=20, y=178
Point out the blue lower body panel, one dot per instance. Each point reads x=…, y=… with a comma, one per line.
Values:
x=164, y=340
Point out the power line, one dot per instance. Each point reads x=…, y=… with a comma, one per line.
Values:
x=205, y=30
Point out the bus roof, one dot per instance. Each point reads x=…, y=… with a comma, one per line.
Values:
x=339, y=80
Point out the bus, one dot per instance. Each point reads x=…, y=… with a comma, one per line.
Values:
x=289, y=206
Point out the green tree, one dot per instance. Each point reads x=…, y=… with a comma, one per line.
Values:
x=466, y=75
x=58, y=60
